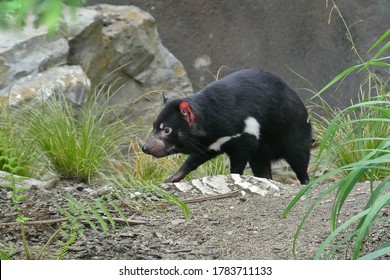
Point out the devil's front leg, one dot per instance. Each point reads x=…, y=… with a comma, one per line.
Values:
x=191, y=163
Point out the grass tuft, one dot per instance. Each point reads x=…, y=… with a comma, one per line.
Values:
x=75, y=142
x=350, y=134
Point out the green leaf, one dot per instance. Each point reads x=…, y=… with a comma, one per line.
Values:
x=106, y=212
x=336, y=79
x=385, y=48
x=372, y=212
x=376, y=254
x=22, y=219
x=100, y=219
x=337, y=231
x=383, y=37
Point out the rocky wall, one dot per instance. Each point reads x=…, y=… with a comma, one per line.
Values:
x=102, y=45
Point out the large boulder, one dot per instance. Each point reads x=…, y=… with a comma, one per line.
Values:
x=98, y=46
x=29, y=53
x=33, y=63
x=86, y=42
x=67, y=79
x=136, y=59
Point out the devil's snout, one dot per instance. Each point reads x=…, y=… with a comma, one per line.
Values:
x=145, y=149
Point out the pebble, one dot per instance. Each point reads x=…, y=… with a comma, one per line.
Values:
x=178, y=221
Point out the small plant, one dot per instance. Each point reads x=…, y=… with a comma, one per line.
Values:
x=76, y=142
x=127, y=183
x=352, y=133
x=6, y=252
x=8, y=10
x=17, y=197
x=356, y=130
x=95, y=214
x=47, y=12
x=144, y=168
x=13, y=146
x=217, y=166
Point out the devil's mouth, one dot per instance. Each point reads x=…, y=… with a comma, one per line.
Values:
x=170, y=151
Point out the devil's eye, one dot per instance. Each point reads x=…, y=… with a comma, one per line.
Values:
x=167, y=130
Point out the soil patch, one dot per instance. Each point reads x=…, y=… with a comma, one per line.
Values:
x=236, y=227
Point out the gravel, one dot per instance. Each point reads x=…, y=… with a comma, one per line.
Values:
x=238, y=226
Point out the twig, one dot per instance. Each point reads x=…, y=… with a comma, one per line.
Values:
x=211, y=197
x=59, y=220
x=179, y=251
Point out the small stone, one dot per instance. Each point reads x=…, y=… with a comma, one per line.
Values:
x=127, y=235
x=178, y=221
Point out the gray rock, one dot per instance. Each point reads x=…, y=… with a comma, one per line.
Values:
x=222, y=184
x=68, y=80
x=29, y=52
x=178, y=221
x=114, y=46
x=136, y=59
x=218, y=183
x=25, y=182
x=86, y=43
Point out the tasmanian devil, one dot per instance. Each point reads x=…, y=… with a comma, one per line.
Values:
x=251, y=115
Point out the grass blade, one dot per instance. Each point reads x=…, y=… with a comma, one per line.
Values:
x=380, y=40
x=372, y=212
x=337, y=231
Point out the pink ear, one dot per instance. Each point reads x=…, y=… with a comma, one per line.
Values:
x=187, y=113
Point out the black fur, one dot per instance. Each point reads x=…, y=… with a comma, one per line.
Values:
x=220, y=110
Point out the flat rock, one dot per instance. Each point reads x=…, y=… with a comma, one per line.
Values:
x=25, y=182
x=222, y=184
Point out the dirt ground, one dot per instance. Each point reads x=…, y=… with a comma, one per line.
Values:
x=237, y=227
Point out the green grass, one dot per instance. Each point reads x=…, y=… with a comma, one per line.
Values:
x=217, y=166
x=16, y=154
x=147, y=169
x=357, y=139
x=13, y=13
x=140, y=174
x=75, y=143
x=150, y=170
x=83, y=143
x=350, y=134
x=80, y=143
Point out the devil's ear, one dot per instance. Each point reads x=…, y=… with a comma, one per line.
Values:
x=186, y=112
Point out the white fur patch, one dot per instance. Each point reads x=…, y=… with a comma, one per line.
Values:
x=252, y=127
x=216, y=146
